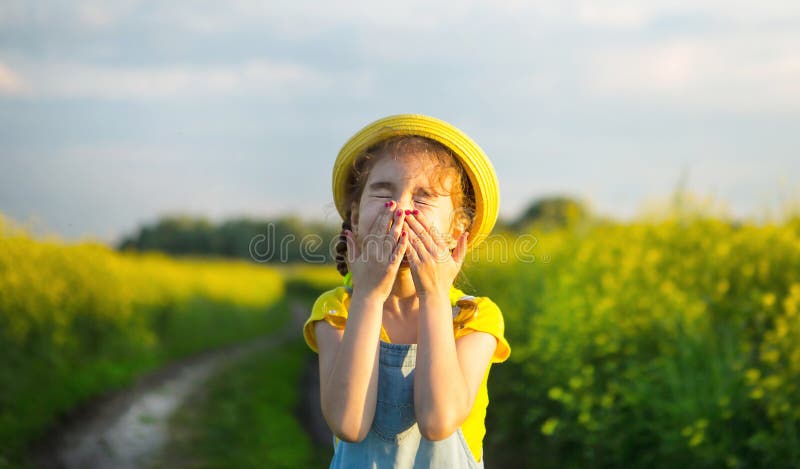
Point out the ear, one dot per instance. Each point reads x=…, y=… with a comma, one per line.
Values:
x=458, y=230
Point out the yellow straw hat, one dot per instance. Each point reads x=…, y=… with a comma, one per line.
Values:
x=477, y=165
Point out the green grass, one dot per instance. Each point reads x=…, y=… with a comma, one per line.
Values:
x=39, y=390
x=245, y=419
x=245, y=415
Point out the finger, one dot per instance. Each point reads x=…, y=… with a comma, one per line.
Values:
x=416, y=244
x=417, y=232
x=400, y=249
x=413, y=245
x=397, y=226
x=431, y=229
x=426, y=239
x=373, y=241
x=383, y=219
x=391, y=206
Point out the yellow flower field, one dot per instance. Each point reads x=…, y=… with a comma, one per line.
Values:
x=663, y=342
x=77, y=320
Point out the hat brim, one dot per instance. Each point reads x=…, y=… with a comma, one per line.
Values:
x=475, y=162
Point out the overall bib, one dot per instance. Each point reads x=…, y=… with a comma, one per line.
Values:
x=394, y=441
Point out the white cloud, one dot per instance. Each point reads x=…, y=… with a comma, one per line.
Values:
x=733, y=72
x=256, y=77
x=302, y=18
x=741, y=60
x=94, y=16
x=61, y=14
x=11, y=83
x=618, y=16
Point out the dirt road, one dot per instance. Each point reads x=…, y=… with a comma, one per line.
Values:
x=128, y=429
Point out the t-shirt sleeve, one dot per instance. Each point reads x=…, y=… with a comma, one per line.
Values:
x=330, y=307
x=488, y=318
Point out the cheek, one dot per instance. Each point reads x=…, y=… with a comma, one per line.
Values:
x=370, y=211
x=377, y=208
x=438, y=221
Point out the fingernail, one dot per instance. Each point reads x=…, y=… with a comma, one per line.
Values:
x=391, y=203
x=386, y=204
x=399, y=212
x=408, y=212
x=403, y=233
x=415, y=211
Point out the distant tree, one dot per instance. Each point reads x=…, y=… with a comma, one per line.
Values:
x=288, y=238
x=174, y=234
x=549, y=213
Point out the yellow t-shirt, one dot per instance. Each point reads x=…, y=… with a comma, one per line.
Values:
x=332, y=307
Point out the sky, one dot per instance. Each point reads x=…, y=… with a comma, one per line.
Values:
x=114, y=113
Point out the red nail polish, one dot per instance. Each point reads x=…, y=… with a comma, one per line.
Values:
x=415, y=212
x=408, y=212
x=399, y=212
x=403, y=233
x=391, y=203
x=386, y=204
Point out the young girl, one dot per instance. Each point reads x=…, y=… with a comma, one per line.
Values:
x=404, y=356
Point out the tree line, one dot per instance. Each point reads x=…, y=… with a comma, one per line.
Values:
x=291, y=239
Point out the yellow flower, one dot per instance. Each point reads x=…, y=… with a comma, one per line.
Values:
x=772, y=382
x=696, y=439
x=549, y=426
x=752, y=375
x=702, y=423
x=770, y=356
x=768, y=300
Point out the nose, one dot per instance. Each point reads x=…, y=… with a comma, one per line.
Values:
x=403, y=203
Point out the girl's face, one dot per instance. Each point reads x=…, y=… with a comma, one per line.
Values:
x=409, y=182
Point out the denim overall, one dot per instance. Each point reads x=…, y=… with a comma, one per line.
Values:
x=394, y=441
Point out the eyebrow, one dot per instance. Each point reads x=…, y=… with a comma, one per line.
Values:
x=388, y=185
